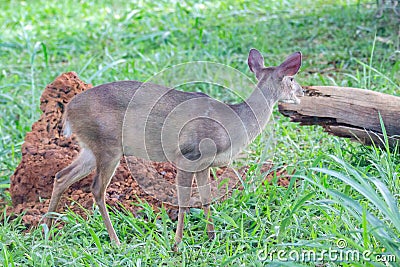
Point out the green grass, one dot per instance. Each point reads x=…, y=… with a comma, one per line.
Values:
x=351, y=196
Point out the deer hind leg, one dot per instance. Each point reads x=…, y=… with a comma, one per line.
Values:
x=184, y=188
x=202, y=179
x=106, y=165
x=76, y=171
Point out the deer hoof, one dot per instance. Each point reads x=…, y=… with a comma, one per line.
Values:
x=211, y=235
x=175, y=247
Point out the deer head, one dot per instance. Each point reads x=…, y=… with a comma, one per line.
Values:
x=277, y=81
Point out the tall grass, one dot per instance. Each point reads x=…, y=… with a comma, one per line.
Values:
x=371, y=197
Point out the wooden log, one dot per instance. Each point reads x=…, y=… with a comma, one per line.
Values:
x=348, y=112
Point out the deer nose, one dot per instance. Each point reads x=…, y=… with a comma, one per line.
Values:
x=300, y=92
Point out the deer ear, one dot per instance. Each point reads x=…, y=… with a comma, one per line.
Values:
x=291, y=65
x=255, y=61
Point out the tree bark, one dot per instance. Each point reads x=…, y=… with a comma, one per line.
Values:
x=348, y=112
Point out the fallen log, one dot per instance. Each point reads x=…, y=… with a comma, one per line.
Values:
x=348, y=112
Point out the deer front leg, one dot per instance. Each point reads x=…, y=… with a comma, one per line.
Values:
x=184, y=188
x=202, y=179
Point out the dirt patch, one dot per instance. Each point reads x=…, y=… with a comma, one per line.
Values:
x=46, y=151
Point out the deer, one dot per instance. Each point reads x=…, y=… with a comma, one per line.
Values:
x=145, y=120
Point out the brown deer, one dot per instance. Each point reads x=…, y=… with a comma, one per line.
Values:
x=189, y=129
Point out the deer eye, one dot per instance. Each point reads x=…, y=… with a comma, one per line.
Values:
x=291, y=79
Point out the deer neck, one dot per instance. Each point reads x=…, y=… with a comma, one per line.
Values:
x=256, y=111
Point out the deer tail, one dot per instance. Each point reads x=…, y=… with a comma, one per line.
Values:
x=66, y=126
